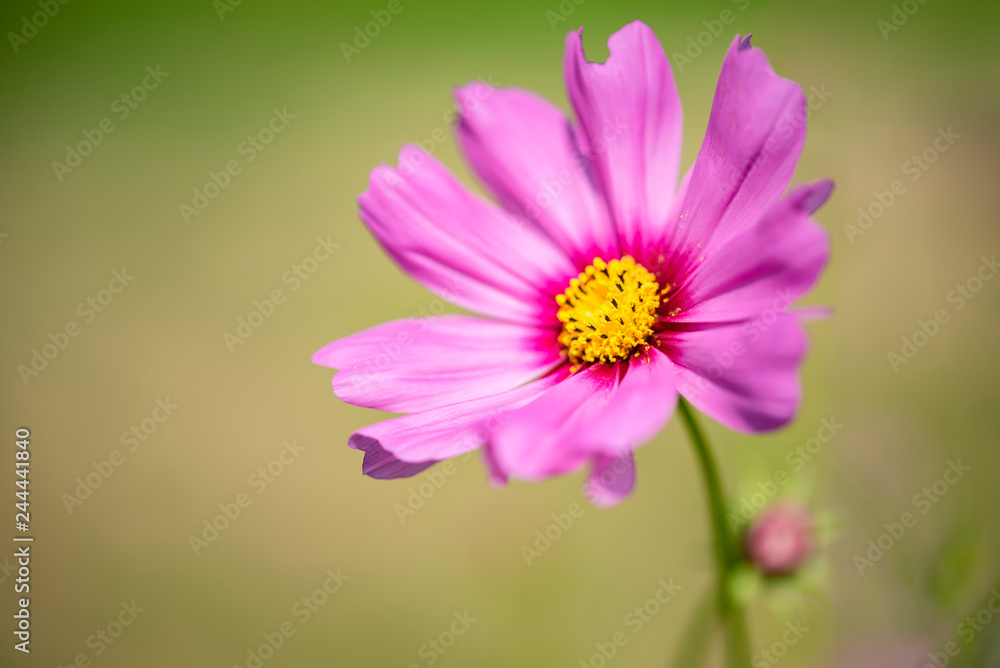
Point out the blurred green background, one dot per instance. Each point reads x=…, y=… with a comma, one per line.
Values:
x=162, y=338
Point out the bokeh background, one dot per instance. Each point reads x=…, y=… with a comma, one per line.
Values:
x=228, y=66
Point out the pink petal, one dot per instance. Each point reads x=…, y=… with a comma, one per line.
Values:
x=631, y=123
x=643, y=403
x=538, y=440
x=611, y=480
x=592, y=412
x=522, y=147
x=496, y=475
x=447, y=431
x=461, y=247
x=381, y=465
x=755, y=133
x=414, y=365
x=745, y=375
x=769, y=265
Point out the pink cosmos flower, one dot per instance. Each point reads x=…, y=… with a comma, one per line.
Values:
x=607, y=288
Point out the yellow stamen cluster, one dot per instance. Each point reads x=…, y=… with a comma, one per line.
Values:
x=608, y=312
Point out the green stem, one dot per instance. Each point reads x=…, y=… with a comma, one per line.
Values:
x=727, y=552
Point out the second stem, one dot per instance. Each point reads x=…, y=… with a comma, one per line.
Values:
x=727, y=554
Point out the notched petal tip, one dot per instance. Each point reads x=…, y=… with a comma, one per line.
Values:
x=574, y=41
x=467, y=97
x=380, y=464
x=408, y=153
x=318, y=357
x=612, y=480
x=386, y=178
x=635, y=34
x=622, y=39
x=635, y=25
x=817, y=196
x=330, y=355
x=497, y=477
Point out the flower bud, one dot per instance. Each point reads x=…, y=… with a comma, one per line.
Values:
x=780, y=539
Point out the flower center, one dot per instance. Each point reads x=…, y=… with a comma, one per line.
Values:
x=608, y=312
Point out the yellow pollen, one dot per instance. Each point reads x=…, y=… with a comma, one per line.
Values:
x=608, y=312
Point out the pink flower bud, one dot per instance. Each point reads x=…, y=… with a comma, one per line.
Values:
x=780, y=539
